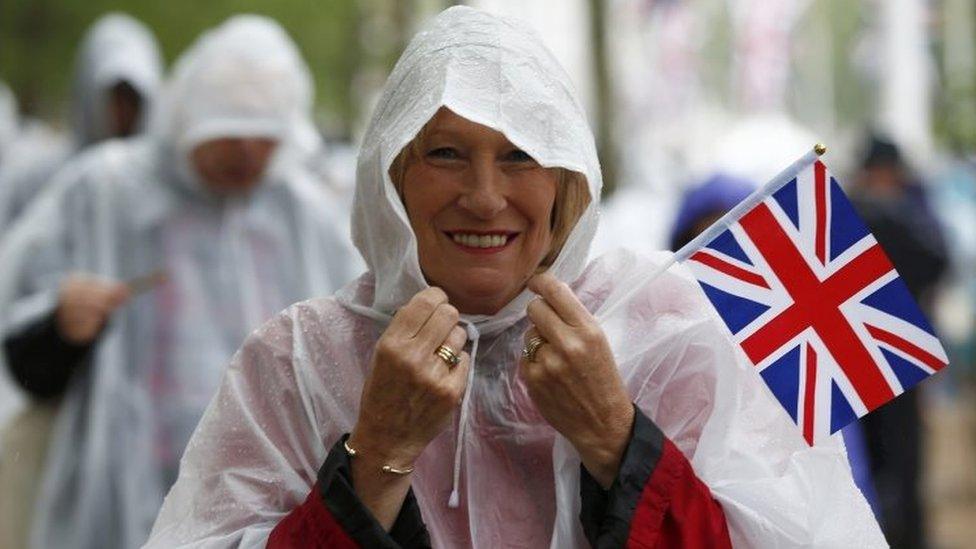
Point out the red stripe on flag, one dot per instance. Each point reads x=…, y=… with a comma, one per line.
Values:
x=864, y=269
x=820, y=187
x=809, y=394
x=734, y=271
x=906, y=347
x=816, y=305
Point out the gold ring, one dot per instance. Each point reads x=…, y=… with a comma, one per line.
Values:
x=532, y=346
x=448, y=355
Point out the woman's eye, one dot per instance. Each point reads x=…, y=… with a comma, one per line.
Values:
x=518, y=155
x=444, y=153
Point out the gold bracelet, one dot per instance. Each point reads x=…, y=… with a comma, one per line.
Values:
x=386, y=468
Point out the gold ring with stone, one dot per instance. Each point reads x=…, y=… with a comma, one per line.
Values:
x=448, y=355
x=532, y=346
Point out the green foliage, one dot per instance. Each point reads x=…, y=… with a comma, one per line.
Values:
x=38, y=39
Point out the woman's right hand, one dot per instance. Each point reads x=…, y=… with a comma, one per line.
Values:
x=411, y=393
x=408, y=399
x=85, y=305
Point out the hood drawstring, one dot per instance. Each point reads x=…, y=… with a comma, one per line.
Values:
x=474, y=336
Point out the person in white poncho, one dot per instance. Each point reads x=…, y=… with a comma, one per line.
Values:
x=117, y=73
x=116, y=77
x=129, y=284
x=462, y=393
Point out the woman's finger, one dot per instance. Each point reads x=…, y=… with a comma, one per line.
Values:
x=456, y=339
x=438, y=326
x=529, y=334
x=455, y=343
x=547, y=323
x=561, y=298
x=412, y=316
x=458, y=376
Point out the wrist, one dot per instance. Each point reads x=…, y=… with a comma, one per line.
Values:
x=377, y=449
x=602, y=452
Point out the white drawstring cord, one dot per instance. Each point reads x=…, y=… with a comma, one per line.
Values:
x=474, y=336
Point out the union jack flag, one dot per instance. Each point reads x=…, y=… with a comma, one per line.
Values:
x=814, y=302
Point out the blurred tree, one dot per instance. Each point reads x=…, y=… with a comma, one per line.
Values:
x=38, y=39
x=955, y=44
x=606, y=146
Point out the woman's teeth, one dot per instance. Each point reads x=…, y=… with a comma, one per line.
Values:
x=480, y=241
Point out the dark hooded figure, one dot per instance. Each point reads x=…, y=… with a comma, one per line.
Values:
x=895, y=207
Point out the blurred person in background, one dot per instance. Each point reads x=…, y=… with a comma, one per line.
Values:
x=895, y=207
x=116, y=77
x=705, y=203
x=9, y=128
x=129, y=284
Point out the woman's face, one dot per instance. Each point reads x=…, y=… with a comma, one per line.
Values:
x=481, y=209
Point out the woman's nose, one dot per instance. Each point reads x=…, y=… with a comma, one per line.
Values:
x=483, y=195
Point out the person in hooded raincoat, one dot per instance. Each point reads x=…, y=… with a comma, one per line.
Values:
x=129, y=284
x=117, y=74
x=9, y=126
x=897, y=208
x=462, y=392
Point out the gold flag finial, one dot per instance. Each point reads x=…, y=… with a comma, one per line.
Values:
x=820, y=149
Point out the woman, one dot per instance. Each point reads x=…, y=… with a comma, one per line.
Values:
x=359, y=420
x=127, y=287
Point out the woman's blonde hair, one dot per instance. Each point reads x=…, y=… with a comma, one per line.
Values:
x=572, y=195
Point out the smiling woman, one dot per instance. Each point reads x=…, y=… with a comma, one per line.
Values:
x=487, y=216
x=461, y=393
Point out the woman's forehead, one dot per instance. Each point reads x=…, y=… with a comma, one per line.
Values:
x=446, y=123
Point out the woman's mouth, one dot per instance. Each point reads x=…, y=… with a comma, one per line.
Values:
x=482, y=241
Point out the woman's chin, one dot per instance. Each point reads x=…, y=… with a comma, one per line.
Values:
x=482, y=297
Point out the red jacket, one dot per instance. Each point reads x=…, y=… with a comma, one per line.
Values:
x=655, y=501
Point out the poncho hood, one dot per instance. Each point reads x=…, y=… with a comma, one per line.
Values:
x=244, y=78
x=493, y=71
x=117, y=48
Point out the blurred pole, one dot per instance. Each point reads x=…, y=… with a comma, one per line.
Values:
x=820, y=106
x=384, y=29
x=403, y=13
x=605, y=143
x=907, y=76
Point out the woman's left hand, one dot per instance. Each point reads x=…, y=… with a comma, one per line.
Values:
x=573, y=379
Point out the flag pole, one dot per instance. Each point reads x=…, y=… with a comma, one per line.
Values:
x=721, y=225
x=749, y=203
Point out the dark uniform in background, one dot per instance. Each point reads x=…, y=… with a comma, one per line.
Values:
x=895, y=207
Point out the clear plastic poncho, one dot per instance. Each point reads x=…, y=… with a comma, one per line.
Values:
x=294, y=387
x=128, y=209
